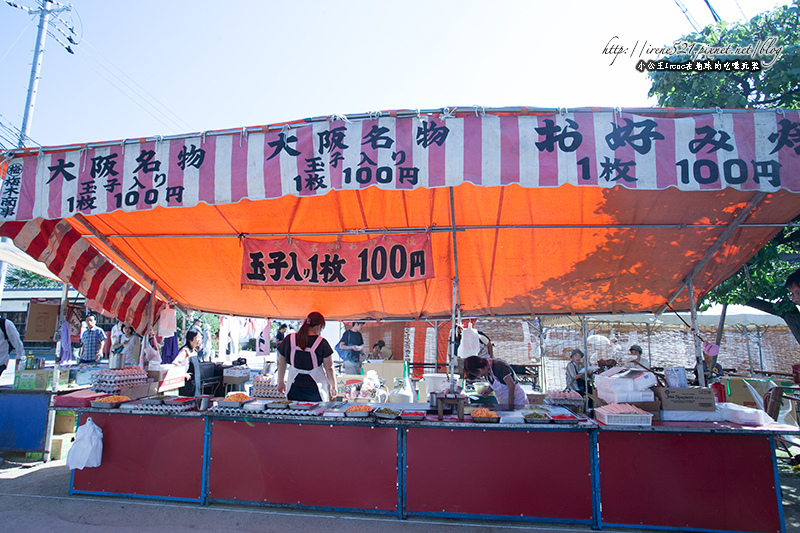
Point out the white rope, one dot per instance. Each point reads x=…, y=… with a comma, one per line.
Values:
x=446, y=113
x=479, y=110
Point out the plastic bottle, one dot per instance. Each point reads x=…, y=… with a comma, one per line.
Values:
x=29, y=362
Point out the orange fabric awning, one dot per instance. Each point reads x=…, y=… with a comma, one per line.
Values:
x=542, y=223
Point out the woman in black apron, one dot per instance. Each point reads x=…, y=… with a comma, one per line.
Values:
x=308, y=357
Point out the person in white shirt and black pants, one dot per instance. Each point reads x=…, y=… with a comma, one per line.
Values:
x=9, y=336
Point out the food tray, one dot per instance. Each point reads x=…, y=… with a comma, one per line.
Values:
x=414, y=418
x=106, y=405
x=486, y=419
x=388, y=416
x=283, y=404
x=623, y=419
x=357, y=414
x=153, y=401
x=572, y=420
x=178, y=400
x=544, y=420
x=303, y=406
x=255, y=405
x=228, y=403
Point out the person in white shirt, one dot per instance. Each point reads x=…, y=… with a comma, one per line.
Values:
x=9, y=336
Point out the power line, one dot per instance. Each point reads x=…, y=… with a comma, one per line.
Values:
x=713, y=12
x=147, y=97
x=16, y=40
x=146, y=110
x=688, y=15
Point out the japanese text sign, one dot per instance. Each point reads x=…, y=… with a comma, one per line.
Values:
x=746, y=151
x=294, y=262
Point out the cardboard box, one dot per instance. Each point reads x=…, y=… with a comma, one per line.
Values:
x=40, y=379
x=168, y=377
x=158, y=375
x=60, y=445
x=236, y=372
x=139, y=391
x=689, y=399
x=536, y=398
x=654, y=407
x=65, y=422
x=737, y=392
x=387, y=370
x=41, y=323
x=343, y=381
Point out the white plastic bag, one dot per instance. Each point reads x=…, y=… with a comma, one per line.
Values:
x=470, y=342
x=87, y=450
x=167, y=323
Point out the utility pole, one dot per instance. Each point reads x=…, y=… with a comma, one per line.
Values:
x=45, y=12
x=38, y=54
x=36, y=66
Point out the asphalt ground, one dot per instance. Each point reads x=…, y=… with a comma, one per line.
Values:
x=34, y=497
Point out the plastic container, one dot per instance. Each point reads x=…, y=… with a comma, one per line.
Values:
x=626, y=419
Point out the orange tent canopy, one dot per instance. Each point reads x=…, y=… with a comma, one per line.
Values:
x=522, y=248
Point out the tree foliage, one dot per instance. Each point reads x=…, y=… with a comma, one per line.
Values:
x=759, y=283
x=19, y=278
x=776, y=86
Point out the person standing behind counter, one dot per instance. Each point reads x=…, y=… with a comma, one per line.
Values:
x=353, y=344
x=576, y=380
x=310, y=362
x=92, y=341
x=502, y=380
x=10, y=338
x=187, y=350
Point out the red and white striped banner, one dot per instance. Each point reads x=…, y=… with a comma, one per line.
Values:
x=75, y=261
x=747, y=151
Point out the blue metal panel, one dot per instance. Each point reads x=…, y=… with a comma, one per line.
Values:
x=778, y=492
x=597, y=518
x=23, y=420
x=206, y=461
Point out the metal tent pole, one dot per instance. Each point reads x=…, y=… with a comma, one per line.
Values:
x=749, y=354
x=585, y=335
x=456, y=314
x=151, y=311
x=758, y=343
x=542, y=358
x=698, y=350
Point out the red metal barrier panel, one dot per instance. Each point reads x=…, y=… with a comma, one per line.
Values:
x=533, y=473
x=688, y=480
x=348, y=467
x=158, y=456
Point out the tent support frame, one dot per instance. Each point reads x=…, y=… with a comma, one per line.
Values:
x=737, y=221
x=698, y=350
x=98, y=235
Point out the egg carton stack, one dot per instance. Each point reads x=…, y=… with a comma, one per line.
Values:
x=563, y=397
x=264, y=387
x=113, y=381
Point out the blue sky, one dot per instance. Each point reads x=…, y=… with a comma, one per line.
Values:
x=154, y=67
